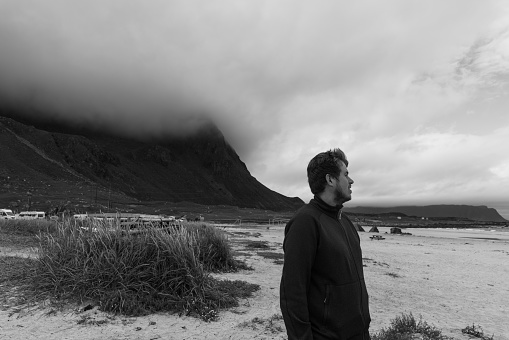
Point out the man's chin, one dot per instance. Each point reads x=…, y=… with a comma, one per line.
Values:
x=344, y=199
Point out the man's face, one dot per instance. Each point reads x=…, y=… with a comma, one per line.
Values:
x=342, y=188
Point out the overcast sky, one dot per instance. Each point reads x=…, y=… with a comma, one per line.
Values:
x=415, y=92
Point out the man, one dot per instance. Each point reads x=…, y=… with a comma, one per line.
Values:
x=323, y=293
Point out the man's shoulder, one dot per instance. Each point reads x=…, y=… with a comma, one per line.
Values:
x=303, y=221
x=307, y=211
x=309, y=208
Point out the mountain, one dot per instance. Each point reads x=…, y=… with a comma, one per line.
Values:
x=477, y=213
x=40, y=167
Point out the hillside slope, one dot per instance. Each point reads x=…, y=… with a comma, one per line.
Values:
x=44, y=166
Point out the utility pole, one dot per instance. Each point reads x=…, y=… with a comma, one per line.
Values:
x=29, y=194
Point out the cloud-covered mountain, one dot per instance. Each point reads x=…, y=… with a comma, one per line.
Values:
x=52, y=166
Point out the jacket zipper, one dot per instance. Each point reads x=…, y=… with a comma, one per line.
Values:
x=355, y=264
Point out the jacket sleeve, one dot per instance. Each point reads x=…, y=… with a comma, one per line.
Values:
x=300, y=245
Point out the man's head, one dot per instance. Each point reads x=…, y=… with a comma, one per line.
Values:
x=328, y=176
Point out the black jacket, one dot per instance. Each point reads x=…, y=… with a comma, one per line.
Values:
x=323, y=293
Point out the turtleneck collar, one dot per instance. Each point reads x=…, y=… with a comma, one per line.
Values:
x=333, y=211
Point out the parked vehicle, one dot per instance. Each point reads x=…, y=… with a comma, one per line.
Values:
x=31, y=215
x=6, y=214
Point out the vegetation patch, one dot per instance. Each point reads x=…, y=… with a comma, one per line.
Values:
x=277, y=257
x=271, y=325
x=405, y=327
x=392, y=274
x=27, y=227
x=132, y=274
x=476, y=331
x=257, y=244
x=237, y=289
x=242, y=253
x=88, y=320
x=16, y=234
x=245, y=233
x=214, y=249
x=13, y=270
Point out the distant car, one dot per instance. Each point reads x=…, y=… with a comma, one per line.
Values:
x=6, y=214
x=31, y=215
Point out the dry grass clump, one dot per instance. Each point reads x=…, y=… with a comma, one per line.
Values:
x=405, y=327
x=271, y=325
x=135, y=274
x=477, y=332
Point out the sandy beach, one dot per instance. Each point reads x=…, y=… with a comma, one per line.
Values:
x=452, y=278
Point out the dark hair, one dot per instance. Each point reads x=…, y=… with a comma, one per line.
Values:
x=322, y=164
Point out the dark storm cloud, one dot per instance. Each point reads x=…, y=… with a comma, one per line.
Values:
x=282, y=80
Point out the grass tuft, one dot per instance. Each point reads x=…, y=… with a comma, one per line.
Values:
x=134, y=274
x=476, y=331
x=404, y=327
x=272, y=325
x=214, y=249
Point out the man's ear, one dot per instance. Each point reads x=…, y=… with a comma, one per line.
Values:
x=328, y=179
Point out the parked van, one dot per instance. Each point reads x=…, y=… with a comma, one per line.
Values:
x=31, y=215
x=6, y=214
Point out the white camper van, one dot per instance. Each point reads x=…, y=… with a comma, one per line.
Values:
x=6, y=214
x=31, y=215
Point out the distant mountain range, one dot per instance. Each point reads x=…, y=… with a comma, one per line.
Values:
x=41, y=168
x=476, y=213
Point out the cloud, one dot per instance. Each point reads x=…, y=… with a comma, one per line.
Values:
x=407, y=88
x=238, y=62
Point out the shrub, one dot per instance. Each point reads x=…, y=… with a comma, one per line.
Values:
x=405, y=326
x=132, y=274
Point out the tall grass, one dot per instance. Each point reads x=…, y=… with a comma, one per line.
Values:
x=135, y=274
x=214, y=249
x=27, y=227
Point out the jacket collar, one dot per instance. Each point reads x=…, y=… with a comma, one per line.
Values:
x=332, y=211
